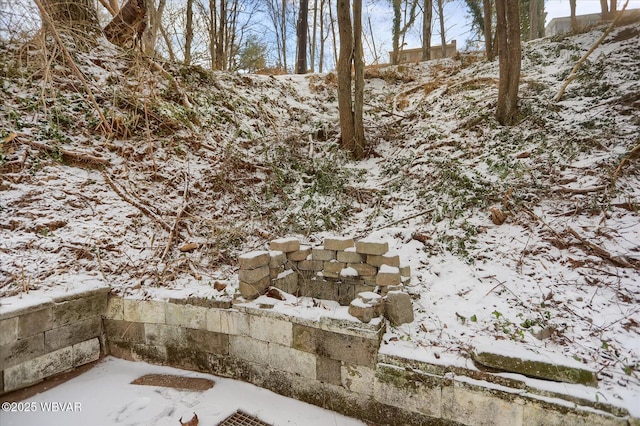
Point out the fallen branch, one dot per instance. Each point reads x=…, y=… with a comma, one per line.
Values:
x=581, y=190
x=69, y=156
x=45, y=16
x=139, y=206
x=574, y=71
x=600, y=251
x=174, y=229
x=635, y=153
x=413, y=216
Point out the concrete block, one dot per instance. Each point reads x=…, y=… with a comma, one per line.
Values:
x=346, y=293
x=187, y=316
x=350, y=255
x=405, y=270
x=124, y=331
x=372, y=247
x=148, y=311
x=277, y=259
x=284, y=358
x=301, y=254
x=388, y=275
x=363, y=311
x=333, y=266
x=286, y=281
x=398, y=308
x=164, y=335
x=207, y=341
x=274, y=272
x=319, y=289
x=311, y=265
x=320, y=253
x=86, y=352
x=32, y=371
x=357, y=378
x=364, y=269
x=254, y=259
x=271, y=329
x=228, y=321
x=75, y=310
x=21, y=351
x=545, y=414
x=8, y=330
x=328, y=370
x=384, y=259
x=251, y=276
x=248, y=349
x=286, y=245
x=35, y=322
x=115, y=308
x=480, y=407
x=341, y=347
x=338, y=243
x=410, y=390
x=253, y=290
x=73, y=333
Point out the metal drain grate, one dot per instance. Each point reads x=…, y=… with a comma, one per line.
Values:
x=240, y=418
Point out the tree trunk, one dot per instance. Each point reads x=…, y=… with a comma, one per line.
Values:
x=220, y=42
x=188, y=38
x=443, y=38
x=77, y=19
x=509, y=51
x=427, y=17
x=604, y=7
x=283, y=25
x=613, y=9
x=333, y=34
x=322, y=37
x=533, y=19
x=313, y=36
x=150, y=36
x=344, y=75
x=127, y=27
x=303, y=27
x=395, y=32
x=574, y=20
x=488, y=30
x=358, y=64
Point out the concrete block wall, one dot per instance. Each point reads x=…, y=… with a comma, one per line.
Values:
x=49, y=337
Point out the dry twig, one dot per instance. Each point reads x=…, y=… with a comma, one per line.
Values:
x=600, y=251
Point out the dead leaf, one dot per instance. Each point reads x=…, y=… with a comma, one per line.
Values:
x=188, y=247
x=497, y=216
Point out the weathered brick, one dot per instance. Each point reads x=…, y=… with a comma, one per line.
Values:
x=254, y=259
x=301, y=254
x=364, y=269
x=35, y=322
x=228, y=321
x=277, y=259
x=86, y=352
x=115, y=308
x=207, y=341
x=34, y=370
x=21, y=350
x=8, y=330
x=274, y=272
x=385, y=259
x=372, y=247
x=148, y=311
x=405, y=270
x=333, y=266
x=350, y=255
x=320, y=253
x=71, y=334
x=285, y=245
x=388, y=275
x=251, y=276
x=186, y=316
x=271, y=329
x=79, y=309
x=310, y=265
x=464, y=405
x=328, y=370
x=342, y=347
x=248, y=349
x=319, y=289
x=286, y=281
x=412, y=391
x=357, y=378
x=124, y=331
x=253, y=290
x=285, y=358
x=338, y=243
x=164, y=335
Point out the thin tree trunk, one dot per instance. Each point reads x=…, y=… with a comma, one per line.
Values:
x=509, y=51
x=533, y=19
x=427, y=17
x=604, y=7
x=343, y=68
x=313, y=36
x=78, y=19
x=574, y=20
x=188, y=39
x=488, y=30
x=220, y=54
x=333, y=34
x=443, y=38
x=322, y=38
x=283, y=24
x=303, y=26
x=167, y=41
x=358, y=63
x=213, y=35
x=395, y=43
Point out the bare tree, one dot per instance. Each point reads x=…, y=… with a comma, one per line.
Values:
x=574, y=20
x=400, y=26
x=443, y=37
x=488, y=30
x=509, y=55
x=303, y=28
x=427, y=18
x=188, y=37
x=77, y=19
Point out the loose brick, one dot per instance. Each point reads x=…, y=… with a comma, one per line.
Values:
x=334, y=266
x=286, y=281
x=338, y=243
x=388, y=275
x=277, y=259
x=285, y=245
x=302, y=254
x=372, y=247
x=253, y=290
x=350, y=255
x=311, y=265
x=364, y=269
x=251, y=276
x=254, y=259
x=320, y=253
x=385, y=259
x=405, y=270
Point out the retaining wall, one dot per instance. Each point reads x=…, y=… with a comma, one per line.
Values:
x=330, y=362
x=50, y=336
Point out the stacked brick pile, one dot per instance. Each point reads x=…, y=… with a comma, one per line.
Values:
x=342, y=269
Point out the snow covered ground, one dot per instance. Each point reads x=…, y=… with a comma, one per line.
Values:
x=105, y=396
